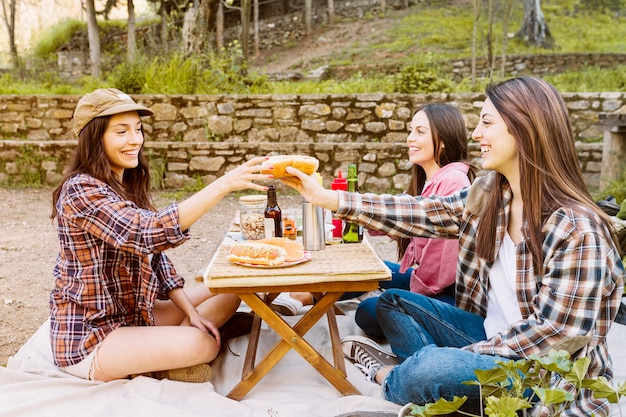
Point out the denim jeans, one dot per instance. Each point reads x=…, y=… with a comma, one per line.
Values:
x=426, y=334
x=365, y=315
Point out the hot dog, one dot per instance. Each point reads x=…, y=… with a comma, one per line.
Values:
x=257, y=254
x=304, y=163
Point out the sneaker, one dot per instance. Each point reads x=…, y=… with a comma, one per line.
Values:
x=196, y=373
x=286, y=305
x=368, y=356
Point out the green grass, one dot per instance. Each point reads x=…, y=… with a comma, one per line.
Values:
x=441, y=30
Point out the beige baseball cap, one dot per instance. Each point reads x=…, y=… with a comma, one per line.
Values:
x=104, y=102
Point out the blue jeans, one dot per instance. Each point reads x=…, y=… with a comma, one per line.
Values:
x=365, y=315
x=426, y=334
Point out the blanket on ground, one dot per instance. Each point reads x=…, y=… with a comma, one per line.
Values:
x=31, y=385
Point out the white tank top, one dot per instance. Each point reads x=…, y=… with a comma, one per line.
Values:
x=503, y=307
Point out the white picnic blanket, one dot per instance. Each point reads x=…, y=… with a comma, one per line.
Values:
x=31, y=385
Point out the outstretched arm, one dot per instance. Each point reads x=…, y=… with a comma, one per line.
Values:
x=311, y=190
x=240, y=178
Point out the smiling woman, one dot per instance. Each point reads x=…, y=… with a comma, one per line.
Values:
x=122, y=141
x=118, y=307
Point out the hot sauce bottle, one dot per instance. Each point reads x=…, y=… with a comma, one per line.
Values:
x=339, y=183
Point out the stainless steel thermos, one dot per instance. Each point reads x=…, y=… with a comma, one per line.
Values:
x=313, y=230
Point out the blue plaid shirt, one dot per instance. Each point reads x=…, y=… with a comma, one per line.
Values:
x=570, y=306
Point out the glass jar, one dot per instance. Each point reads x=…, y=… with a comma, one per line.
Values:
x=251, y=217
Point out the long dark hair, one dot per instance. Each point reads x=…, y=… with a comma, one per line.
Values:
x=89, y=158
x=550, y=176
x=449, y=143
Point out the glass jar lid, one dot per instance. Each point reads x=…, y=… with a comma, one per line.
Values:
x=253, y=200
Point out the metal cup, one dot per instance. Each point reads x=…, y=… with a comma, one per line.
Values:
x=313, y=231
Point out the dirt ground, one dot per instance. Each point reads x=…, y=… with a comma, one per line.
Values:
x=28, y=245
x=28, y=249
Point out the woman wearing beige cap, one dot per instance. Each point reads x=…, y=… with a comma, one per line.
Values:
x=118, y=306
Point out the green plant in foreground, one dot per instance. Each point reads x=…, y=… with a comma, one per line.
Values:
x=513, y=387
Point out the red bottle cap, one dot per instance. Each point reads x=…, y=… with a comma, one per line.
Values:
x=339, y=183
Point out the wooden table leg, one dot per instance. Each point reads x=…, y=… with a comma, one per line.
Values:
x=293, y=338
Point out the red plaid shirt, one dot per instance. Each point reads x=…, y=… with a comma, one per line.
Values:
x=110, y=267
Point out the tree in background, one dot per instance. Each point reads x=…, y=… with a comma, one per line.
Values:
x=132, y=29
x=93, y=35
x=9, y=11
x=534, y=28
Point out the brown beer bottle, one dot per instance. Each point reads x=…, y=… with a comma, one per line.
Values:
x=273, y=215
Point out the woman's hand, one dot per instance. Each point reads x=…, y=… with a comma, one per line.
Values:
x=206, y=325
x=309, y=187
x=242, y=177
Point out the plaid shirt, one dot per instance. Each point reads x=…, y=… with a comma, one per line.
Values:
x=570, y=306
x=110, y=267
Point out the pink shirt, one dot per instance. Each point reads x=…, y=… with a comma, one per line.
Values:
x=435, y=260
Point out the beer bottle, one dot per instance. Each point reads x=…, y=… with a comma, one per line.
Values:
x=273, y=215
x=352, y=232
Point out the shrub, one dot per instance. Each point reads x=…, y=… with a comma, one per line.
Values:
x=58, y=35
x=129, y=77
x=421, y=77
x=513, y=387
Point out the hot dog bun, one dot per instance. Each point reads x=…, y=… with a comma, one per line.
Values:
x=304, y=163
x=257, y=254
x=295, y=251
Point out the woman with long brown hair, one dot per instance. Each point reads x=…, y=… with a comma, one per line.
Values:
x=538, y=268
x=437, y=148
x=118, y=306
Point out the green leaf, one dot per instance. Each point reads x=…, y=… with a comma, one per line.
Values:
x=602, y=388
x=505, y=406
x=553, y=396
x=578, y=371
x=440, y=407
x=555, y=361
x=490, y=376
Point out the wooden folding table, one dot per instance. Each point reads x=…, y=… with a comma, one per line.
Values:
x=330, y=272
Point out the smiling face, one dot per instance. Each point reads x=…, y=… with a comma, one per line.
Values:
x=497, y=146
x=420, y=143
x=122, y=141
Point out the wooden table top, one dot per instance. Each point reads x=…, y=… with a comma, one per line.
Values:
x=348, y=262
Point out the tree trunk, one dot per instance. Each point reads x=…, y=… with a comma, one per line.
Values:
x=132, y=44
x=491, y=56
x=308, y=16
x=245, y=27
x=505, y=36
x=9, y=21
x=163, y=14
x=331, y=10
x=476, y=4
x=534, y=30
x=94, y=38
x=257, y=52
x=219, y=26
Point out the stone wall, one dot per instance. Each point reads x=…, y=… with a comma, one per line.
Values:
x=516, y=65
x=192, y=137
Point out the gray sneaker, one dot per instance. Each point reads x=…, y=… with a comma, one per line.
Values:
x=368, y=356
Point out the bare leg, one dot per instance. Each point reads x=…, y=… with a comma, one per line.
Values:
x=306, y=298
x=171, y=344
x=216, y=307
